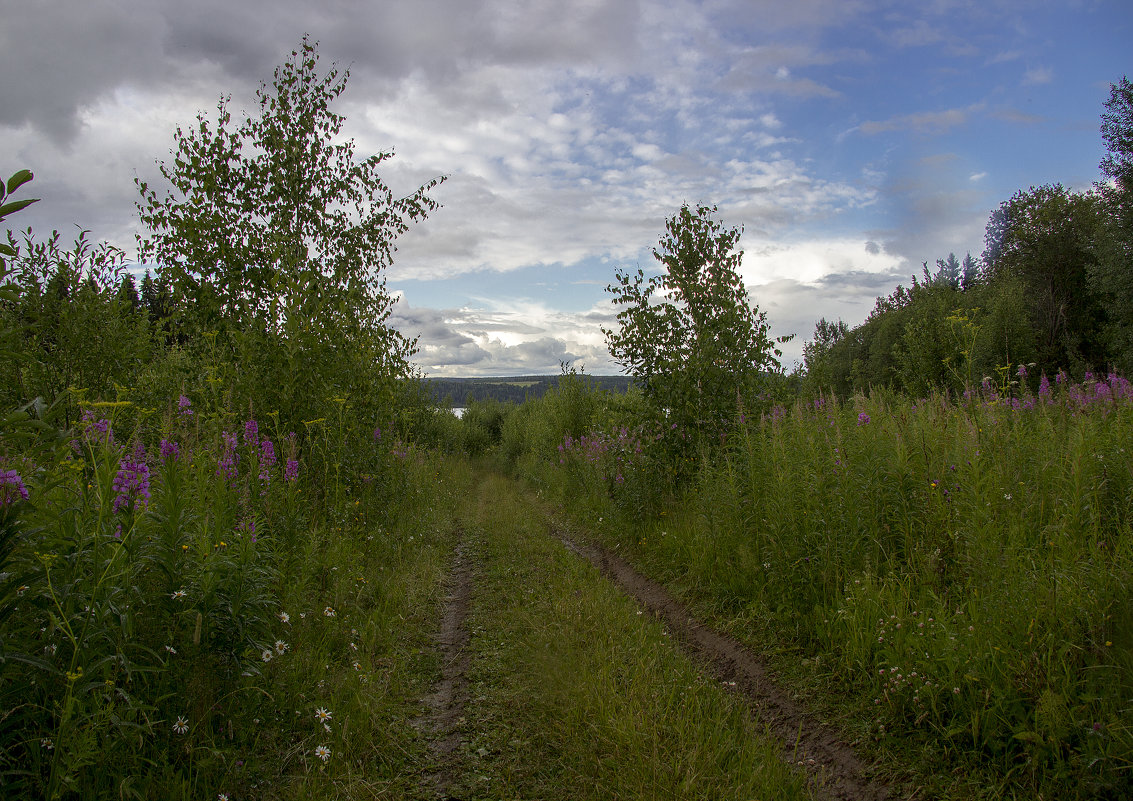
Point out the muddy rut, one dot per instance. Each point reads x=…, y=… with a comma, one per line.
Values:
x=445, y=705
x=834, y=769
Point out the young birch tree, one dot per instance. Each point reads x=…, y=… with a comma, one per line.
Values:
x=690, y=336
x=272, y=230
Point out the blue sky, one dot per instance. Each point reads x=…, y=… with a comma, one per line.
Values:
x=852, y=140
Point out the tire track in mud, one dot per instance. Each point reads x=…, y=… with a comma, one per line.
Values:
x=445, y=704
x=834, y=769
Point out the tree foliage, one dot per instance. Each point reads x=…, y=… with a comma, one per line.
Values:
x=689, y=335
x=1117, y=133
x=949, y=329
x=1053, y=291
x=272, y=229
x=78, y=328
x=1045, y=238
x=270, y=219
x=1112, y=276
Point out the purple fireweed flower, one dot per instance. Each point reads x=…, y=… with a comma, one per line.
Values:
x=170, y=450
x=1022, y=371
x=1120, y=386
x=251, y=433
x=267, y=459
x=226, y=465
x=291, y=470
x=11, y=486
x=94, y=431
x=131, y=484
x=863, y=419
x=183, y=404
x=377, y=434
x=1044, y=388
x=267, y=453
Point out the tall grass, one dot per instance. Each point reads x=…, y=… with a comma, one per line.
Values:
x=961, y=566
x=192, y=606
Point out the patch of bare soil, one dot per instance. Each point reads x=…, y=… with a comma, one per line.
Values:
x=834, y=769
x=445, y=705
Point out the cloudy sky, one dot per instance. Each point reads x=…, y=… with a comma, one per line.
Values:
x=852, y=139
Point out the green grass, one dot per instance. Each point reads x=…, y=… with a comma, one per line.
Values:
x=575, y=694
x=181, y=647
x=371, y=663
x=950, y=582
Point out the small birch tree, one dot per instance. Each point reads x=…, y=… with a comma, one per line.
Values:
x=689, y=335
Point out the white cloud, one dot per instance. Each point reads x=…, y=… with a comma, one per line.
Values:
x=507, y=337
x=922, y=121
x=1037, y=76
x=919, y=34
x=1003, y=57
x=810, y=261
x=531, y=184
x=792, y=306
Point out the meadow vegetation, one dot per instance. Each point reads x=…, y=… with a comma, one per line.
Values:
x=928, y=525
x=224, y=514
x=951, y=575
x=228, y=506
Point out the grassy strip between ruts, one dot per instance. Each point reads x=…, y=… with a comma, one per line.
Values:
x=573, y=693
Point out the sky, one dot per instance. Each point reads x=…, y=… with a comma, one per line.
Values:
x=852, y=140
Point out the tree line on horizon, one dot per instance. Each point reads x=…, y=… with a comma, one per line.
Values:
x=460, y=392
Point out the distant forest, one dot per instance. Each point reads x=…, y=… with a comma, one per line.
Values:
x=459, y=392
